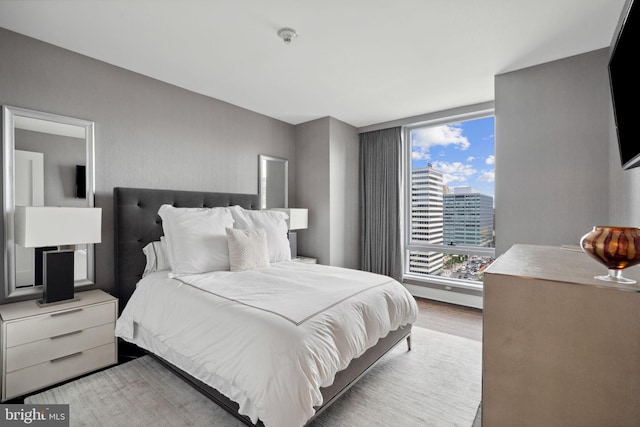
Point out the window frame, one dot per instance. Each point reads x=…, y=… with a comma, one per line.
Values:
x=407, y=244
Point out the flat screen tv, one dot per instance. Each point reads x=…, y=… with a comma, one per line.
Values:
x=81, y=182
x=623, y=80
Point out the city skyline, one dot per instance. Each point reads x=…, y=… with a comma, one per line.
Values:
x=460, y=218
x=464, y=152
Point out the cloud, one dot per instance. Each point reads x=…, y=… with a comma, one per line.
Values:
x=491, y=160
x=487, y=176
x=425, y=138
x=420, y=155
x=470, y=159
x=454, y=171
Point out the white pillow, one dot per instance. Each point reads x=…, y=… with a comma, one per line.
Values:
x=247, y=249
x=196, y=238
x=156, y=254
x=272, y=222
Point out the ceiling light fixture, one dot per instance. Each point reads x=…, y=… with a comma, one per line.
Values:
x=287, y=34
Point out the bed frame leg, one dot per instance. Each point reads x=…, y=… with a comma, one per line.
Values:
x=409, y=342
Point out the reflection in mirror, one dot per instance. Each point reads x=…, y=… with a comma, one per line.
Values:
x=48, y=161
x=273, y=185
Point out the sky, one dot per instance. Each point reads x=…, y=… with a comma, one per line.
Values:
x=463, y=152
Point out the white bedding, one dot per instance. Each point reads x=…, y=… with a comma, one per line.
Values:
x=268, y=338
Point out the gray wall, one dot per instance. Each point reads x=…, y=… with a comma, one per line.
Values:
x=552, y=151
x=147, y=133
x=327, y=180
x=344, y=177
x=312, y=180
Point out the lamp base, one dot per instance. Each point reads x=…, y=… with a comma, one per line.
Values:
x=38, y=262
x=57, y=276
x=293, y=243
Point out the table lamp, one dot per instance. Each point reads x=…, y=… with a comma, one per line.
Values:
x=46, y=227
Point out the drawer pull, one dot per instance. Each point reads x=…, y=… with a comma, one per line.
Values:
x=66, y=335
x=62, y=313
x=60, y=359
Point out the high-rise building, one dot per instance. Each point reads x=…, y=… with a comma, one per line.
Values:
x=468, y=217
x=426, y=219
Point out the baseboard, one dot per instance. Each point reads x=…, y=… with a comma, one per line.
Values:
x=450, y=297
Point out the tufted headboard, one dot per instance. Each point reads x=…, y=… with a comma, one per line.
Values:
x=137, y=223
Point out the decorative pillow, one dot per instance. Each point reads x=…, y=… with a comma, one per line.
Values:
x=272, y=222
x=156, y=254
x=247, y=249
x=196, y=238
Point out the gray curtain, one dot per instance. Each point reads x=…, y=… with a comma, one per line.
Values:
x=380, y=250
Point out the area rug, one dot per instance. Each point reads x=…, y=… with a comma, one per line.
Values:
x=437, y=383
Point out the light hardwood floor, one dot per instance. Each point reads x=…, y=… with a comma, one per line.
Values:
x=451, y=319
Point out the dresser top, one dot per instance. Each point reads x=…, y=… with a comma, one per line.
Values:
x=18, y=310
x=558, y=264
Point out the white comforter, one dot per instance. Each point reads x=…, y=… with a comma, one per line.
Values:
x=269, y=338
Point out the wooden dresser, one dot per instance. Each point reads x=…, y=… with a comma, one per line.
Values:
x=42, y=346
x=559, y=347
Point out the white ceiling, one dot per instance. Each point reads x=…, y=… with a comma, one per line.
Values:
x=360, y=61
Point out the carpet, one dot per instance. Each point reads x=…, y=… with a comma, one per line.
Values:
x=437, y=383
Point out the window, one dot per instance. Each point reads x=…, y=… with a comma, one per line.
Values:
x=450, y=232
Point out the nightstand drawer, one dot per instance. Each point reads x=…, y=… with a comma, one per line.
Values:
x=44, y=374
x=33, y=353
x=58, y=323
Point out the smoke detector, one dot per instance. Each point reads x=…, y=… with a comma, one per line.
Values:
x=287, y=34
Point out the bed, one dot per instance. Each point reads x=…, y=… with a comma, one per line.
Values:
x=186, y=323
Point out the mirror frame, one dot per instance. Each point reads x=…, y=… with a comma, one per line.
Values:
x=9, y=115
x=263, y=162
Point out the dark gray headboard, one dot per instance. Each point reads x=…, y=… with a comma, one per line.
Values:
x=137, y=223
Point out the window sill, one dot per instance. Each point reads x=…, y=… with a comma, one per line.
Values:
x=448, y=284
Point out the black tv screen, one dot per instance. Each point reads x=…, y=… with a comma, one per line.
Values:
x=623, y=79
x=81, y=182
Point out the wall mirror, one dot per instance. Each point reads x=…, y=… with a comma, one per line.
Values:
x=47, y=161
x=273, y=182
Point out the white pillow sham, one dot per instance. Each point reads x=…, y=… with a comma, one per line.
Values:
x=196, y=238
x=272, y=222
x=156, y=255
x=248, y=249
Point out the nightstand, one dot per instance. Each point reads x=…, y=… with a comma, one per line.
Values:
x=45, y=345
x=306, y=259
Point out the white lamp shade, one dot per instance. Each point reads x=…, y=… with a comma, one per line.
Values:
x=38, y=226
x=298, y=217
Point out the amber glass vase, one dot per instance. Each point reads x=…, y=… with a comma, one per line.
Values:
x=615, y=247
